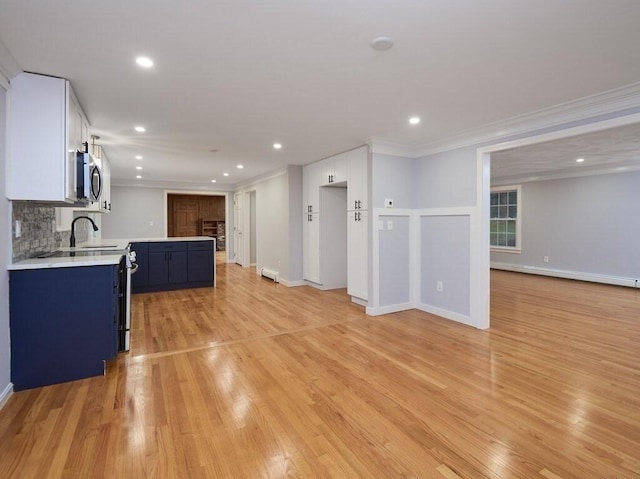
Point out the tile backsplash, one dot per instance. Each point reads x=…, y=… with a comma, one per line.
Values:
x=38, y=229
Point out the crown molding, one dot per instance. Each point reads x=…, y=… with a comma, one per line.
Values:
x=604, y=103
x=259, y=179
x=9, y=67
x=387, y=147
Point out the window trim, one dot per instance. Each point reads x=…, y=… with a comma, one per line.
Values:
x=517, y=249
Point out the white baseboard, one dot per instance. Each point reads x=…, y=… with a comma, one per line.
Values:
x=557, y=273
x=392, y=308
x=6, y=394
x=446, y=314
x=359, y=301
x=292, y=284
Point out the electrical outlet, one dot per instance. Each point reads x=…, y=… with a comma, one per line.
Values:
x=439, y=286
x=388, y=203
x=381, y=225
x=389, y=225
x=545, y=259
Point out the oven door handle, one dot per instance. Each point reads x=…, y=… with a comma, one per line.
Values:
x=134, y=267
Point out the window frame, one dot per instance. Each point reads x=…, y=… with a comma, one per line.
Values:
x=517, y=249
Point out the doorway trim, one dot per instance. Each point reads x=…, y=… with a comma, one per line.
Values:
x=480, y=256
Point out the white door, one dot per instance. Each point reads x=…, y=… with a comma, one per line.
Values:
x=238, y=221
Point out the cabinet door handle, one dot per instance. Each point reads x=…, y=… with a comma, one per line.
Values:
x=109, y=206
x=359, y=204
x=355, y=204
x=310, y=218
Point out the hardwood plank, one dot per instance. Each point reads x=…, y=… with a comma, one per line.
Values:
x=253, y=379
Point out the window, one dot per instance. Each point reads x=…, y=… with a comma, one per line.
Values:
x=505, y=218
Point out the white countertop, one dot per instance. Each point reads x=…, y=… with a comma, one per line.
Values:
x=118, y=246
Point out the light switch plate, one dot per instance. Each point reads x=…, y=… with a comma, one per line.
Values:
x=380, y=225
x=389, y=225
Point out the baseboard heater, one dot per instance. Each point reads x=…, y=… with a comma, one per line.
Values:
x=271, y=274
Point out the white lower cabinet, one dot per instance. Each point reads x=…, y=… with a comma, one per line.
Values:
x=357, y=254
x=311, y=249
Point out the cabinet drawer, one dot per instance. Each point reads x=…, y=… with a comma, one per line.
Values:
x=200, y=245
x=167, y=246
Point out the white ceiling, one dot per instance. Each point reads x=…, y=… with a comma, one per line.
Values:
x=607, y=151
x=239, y=75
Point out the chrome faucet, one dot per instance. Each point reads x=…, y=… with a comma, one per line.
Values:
x=72, y=240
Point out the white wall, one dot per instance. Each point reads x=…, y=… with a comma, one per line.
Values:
x=584, y=225
x=278, y=223
x=135, y=213
x=392, y=178
x=5, y=256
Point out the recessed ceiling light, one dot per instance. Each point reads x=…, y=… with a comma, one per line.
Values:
x=144, y=62
x=580, y=160
x=140, y=129
x=138, y=157
x=240, y=167
x=225, y=174
x=138, y=176
x=213, y=150
x=277, y=146
x=138, y=167
x=381, y=43
x=414, y=120
x=213, y=181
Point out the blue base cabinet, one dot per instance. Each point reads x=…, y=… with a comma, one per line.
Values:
x=169, y=265
x=64, y=323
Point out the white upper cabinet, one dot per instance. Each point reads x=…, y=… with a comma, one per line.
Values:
x=334, y=170
x=357, y=190
x=46, y=128
x=312, y=175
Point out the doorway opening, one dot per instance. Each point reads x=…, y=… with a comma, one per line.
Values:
x=197, y=215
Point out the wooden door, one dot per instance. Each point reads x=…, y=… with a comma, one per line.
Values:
x=185, y=216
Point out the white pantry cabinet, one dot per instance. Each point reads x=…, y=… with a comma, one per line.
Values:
x=312, y=178
x=46, y=128
x=357, y=179
x=357, y=254
x=334, y=170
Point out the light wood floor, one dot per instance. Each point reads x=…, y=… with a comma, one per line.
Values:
x=257, y=380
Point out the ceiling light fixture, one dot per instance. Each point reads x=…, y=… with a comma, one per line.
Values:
x=138, y=167
x=381, y=43
x=138, y=157
x=213, y=181
x=140, y=129
x=138, y=176
x=414, y=120
x=580, y=160
x=277, y=146
x=144, y=62
x=240, y=167
x=225, y=174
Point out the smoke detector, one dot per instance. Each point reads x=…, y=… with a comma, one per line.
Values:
x=381, y=43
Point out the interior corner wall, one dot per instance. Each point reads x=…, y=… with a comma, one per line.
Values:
x=5, y=258
x=586, y=225
x=135, y=213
